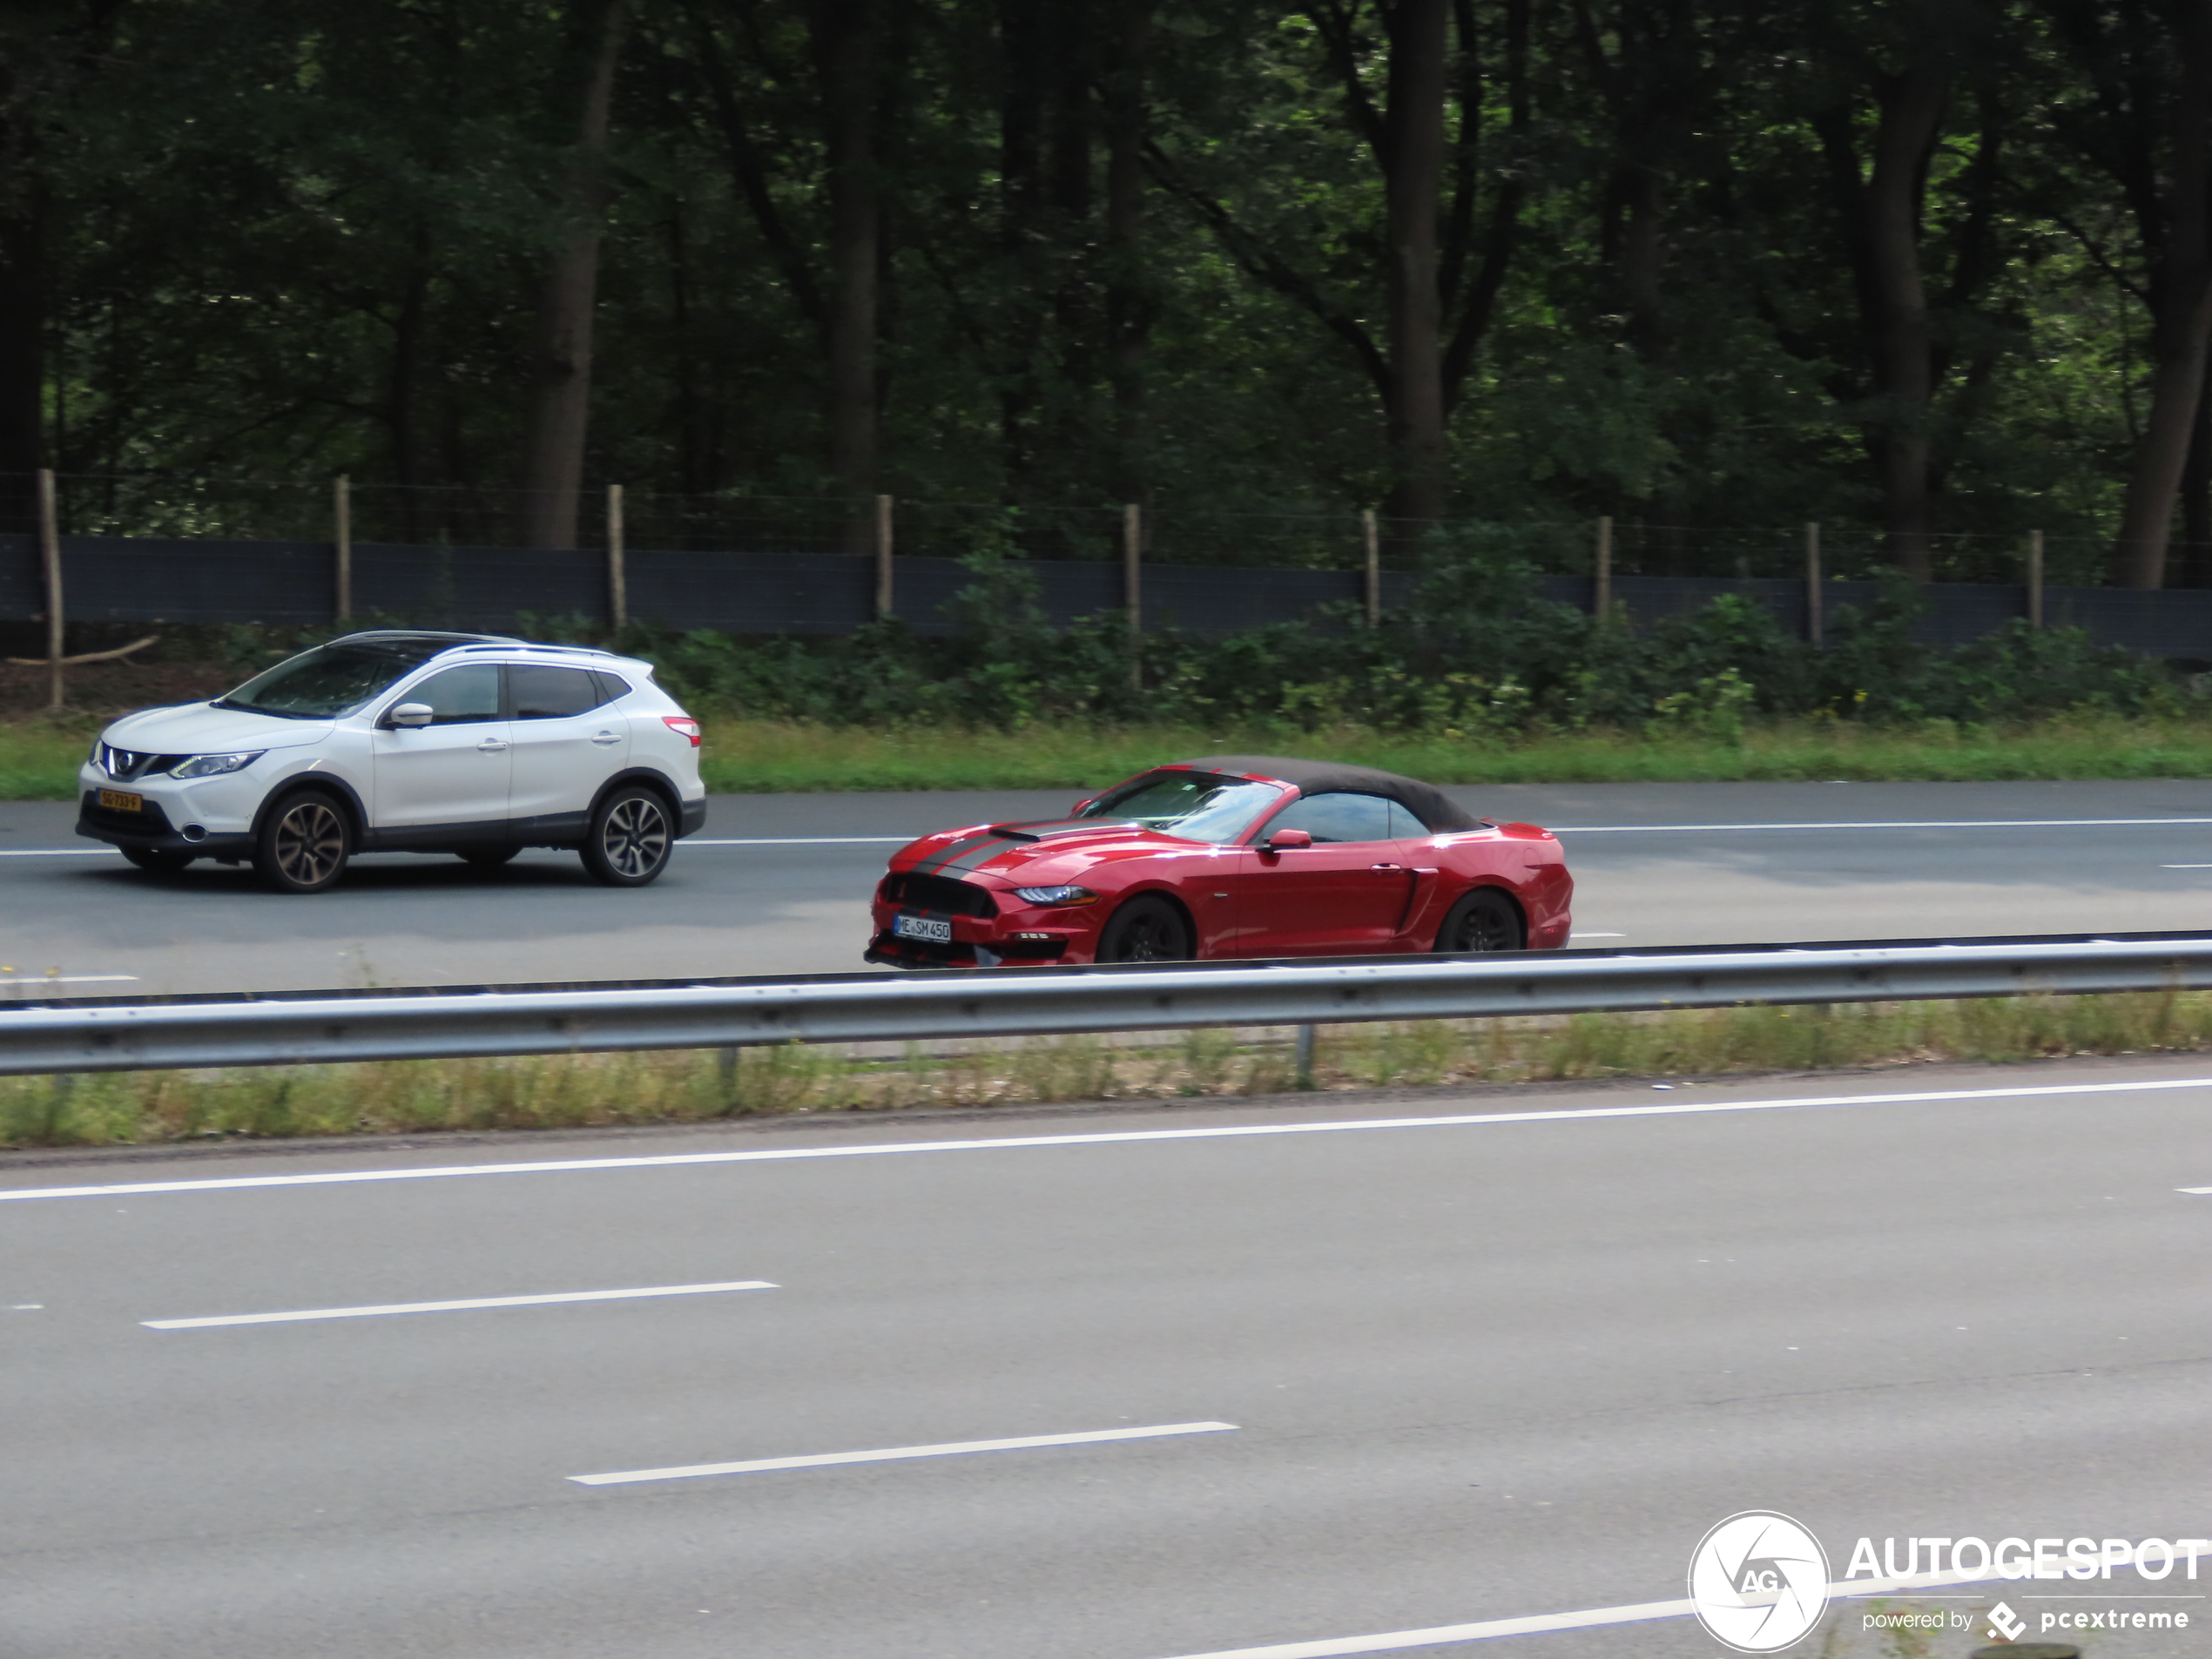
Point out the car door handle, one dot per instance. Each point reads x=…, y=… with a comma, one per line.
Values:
x=492, y=745
x=606, y=736
x=1393, y=868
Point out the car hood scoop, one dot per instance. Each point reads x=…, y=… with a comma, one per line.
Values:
x=1053, y=829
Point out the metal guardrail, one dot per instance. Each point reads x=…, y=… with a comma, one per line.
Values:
x=135, y=1033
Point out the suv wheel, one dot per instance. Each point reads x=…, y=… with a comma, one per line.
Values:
x=303, y=844
x=631, y=837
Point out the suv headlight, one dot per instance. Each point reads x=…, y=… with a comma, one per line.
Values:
x=1056, y=896
x=213, y=766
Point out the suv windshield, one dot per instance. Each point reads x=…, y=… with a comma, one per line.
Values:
x=331, y=681
x=1196, y=805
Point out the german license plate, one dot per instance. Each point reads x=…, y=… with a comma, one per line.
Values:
x=929, y=927
x=122, y=800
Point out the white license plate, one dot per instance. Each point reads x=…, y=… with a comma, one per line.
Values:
x=122, y=800
x=922, y=927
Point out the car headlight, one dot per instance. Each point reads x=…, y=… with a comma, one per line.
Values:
x=213, y=766
x=1056, y=896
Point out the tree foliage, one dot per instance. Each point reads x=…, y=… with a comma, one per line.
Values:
x=1921, y=265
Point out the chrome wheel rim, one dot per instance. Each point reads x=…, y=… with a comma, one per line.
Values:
x=310, y=844
x=635, y=839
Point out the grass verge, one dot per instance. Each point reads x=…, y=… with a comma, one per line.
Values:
x=700, y=1085
x=39, y=756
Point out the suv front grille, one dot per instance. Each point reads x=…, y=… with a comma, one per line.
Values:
x=938, y=892
x=126, y=764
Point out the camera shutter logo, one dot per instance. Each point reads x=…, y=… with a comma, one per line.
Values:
x=1759, y=1582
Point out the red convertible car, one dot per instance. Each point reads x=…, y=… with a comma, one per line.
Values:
x=1229, y=856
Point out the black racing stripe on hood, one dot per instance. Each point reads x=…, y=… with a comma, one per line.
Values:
x=1047, y=828
x=941, y=862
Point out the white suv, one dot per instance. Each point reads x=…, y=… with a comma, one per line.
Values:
x=403, y=741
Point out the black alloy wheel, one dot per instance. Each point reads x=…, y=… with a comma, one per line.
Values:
x=159, y=860
x=489, y=858
x=630, y=839
x=1483, y=919
x=1146, y=929
x=303, y=844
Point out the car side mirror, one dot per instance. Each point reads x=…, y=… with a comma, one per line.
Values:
x=410, y=714
x=1283, y=839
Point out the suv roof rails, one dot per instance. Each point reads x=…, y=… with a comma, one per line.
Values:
x=427, y=633
x=524, y=645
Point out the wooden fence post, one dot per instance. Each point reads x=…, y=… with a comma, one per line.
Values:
x=617, y=572
x=1133, y=588
x=1601, y=606
x=1374, y=566
x=883, y=558
x=341, y=514
x=2035, y=578
x=1813, y=618
x=49, y=555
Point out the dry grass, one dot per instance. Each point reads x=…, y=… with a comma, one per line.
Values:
x=698, y=1086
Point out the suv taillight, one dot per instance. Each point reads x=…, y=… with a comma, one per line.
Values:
x=685, y=724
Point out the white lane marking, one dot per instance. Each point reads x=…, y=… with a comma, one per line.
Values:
x=1581, y=935
x=65, y=978
x=897, y=1454
x=448, y=1307
x=55, y=852
x=2185, y=866
x=803, y=841
x=1471, y=1120
x=1933, y=823
x=1486, y=1630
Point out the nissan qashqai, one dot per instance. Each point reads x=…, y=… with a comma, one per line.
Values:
x=403, y=741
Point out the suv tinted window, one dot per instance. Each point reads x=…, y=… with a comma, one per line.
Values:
x=457, y=696
x=542, y=693
x=1338, y=817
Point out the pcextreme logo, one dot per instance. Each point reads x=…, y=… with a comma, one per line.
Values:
x=1759, y=1582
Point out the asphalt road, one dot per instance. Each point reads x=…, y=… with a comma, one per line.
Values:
x=1455, y=1371
x=779, y=884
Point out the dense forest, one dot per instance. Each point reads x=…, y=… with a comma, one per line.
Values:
x=1939, y=270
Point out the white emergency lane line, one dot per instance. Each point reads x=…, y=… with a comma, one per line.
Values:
x=56, y=851
x=897, y=1454
x=65, y=978
x=1015, y=1143
x=1486, y=1629
x=448, y=1307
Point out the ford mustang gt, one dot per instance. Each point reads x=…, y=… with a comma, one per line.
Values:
x=1229, y=856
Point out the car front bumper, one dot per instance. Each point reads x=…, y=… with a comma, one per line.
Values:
x=202, y=815
x=1026, y=937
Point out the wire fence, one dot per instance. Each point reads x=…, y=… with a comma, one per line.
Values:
x=259, y=510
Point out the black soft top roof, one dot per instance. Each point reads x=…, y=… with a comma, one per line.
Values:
x=1427, y=802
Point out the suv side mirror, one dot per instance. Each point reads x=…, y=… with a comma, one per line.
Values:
x=410, y=714
x=1284, y=839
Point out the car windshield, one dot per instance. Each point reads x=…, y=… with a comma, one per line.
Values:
x=1196, y=805
x=331, y=681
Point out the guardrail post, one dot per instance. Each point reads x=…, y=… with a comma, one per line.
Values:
x=1304, y=1065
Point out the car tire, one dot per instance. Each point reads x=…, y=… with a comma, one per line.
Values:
x=303, y=843
x=489, y=858
x=156, y=860
x=1146, y=929
x=1483, y=919
x=632, y=833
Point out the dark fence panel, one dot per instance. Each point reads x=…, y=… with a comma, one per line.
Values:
x=158, y=580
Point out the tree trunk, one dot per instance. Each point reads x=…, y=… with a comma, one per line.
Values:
x=1413, y=154
x=1904, y=344
x=560, y=408
x=1129, y=305
x=2183, y=292
x=844, y=37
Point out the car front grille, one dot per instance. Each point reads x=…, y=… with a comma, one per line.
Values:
x=126, y=764
x=938, y=892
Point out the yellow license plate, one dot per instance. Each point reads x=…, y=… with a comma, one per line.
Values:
x=122, y=800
